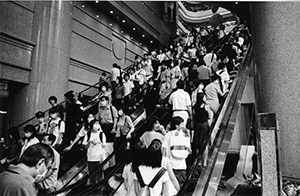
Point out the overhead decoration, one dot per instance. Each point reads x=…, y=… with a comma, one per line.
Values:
x=214, y=7
x=216, y=20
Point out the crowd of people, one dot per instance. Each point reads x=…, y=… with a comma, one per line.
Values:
x=188, y=77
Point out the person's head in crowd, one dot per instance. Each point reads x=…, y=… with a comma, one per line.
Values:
x=94, y=126
x=104, y=86
x=54, y=113
x=180, y=84
x=37, y=159
x=215, y=78
x=151, y=82
x=52, y=100
x=194, y=66
x=121, y=111
x=137, y=149
x=139, y=66
x=87, y=119
x=48, y=139
x=104, y=101
x=160, y=51
x=115, y=65
x=69, y=96
x=153, y=155
x=221, y=66
x=172, y=64
x=30, y=131
x=40, y=116
x=126, y=77
x=145, y=55
x=76, y=96
x=201, y=61
x=131, y=70
x=155, y=145
x=201, y=99
x=176, y=123
x=14, y=133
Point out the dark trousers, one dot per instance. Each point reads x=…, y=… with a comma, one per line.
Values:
x=180, y=175
x=92, y=167
x=107, y=128
x=200, y=132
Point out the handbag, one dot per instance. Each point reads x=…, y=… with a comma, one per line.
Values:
x=189, y=124
x=125, y=128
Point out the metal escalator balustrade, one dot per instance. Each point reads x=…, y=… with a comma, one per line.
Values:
x=213, y=131
x=209, y=179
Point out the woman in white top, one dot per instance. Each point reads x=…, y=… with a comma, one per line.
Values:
x=138, y=149
x=150, y=167
x=175, y=73
x=30, y=138
x=95, y=142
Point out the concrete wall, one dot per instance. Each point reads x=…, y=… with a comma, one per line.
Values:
x=276, y=45
x=49, y=47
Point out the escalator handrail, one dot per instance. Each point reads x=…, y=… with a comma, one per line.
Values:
x=228, y=108
x=77, y=184
x=121, y=146
x=207, y=139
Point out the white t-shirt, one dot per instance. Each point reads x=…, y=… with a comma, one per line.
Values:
x=141, y=76
x=208, y=59
x=56, y=127
x=128, y=176
x=148, y=173
x=115, y=73
x=175, y=163
x=128, y=86
x=180, y=100
x=95, y=150
x=164, y=163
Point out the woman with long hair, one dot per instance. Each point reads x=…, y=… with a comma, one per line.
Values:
x=202, y=120
x=30, y=138
x=95, y=142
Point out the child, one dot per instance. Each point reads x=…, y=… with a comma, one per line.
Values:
x=95, y=142
x=30, y=138
x=56, y=126
x=42, y=126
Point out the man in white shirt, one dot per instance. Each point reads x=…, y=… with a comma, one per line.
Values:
x=209, y=58
x=181, y=102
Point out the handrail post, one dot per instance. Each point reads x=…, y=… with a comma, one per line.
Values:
x=269, y=152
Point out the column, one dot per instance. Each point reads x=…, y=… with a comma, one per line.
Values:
x=276, y=46
x=51, y=31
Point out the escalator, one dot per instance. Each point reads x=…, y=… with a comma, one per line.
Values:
x=198, y=177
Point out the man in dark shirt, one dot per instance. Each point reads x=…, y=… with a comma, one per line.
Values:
x=18, y=180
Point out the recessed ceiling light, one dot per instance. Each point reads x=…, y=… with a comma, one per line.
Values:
x=110, y=24
x=97, y=16
x=117, y=16
x=97, y=1
x=131, y=37
x=82, y=6
x=133, y=29
x=140, y=43
x=143, y=35
x=151, y=41
x=236, y=2
x=122, y=31
x=111, y=12
x=123, y=21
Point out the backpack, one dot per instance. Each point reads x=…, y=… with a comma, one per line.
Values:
x=179, y=145
x=151, y=184
x=48, y=126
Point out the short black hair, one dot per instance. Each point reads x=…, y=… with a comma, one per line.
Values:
x=36, y=152
x=53, y=110
x=104, y=98
x=153, y=158
x=115, y=65
x=52, y=98
x=176, y=120
x=51, y=137
x=40, y=114
x=180, y=84
x=69, y=95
